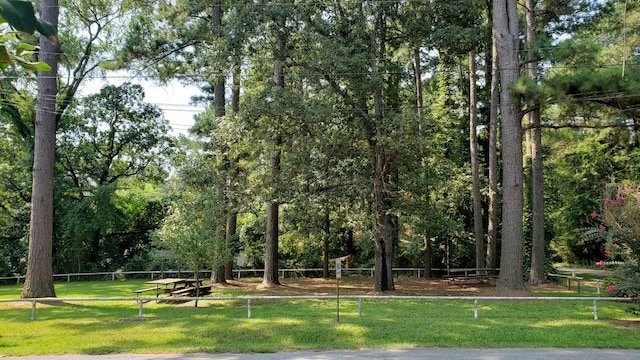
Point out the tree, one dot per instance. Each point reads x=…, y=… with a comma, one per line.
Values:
x=617, y=224
x=191, y=230
x=478, y=228
x=505, y=30
x=39, y=277
x=534, y=146
x=107, y=140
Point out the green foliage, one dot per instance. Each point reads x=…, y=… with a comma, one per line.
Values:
x=20, y=15
x=580, y=166
x=109, y=228
x=192, y=231
x=111, y=143
x=619, y=226
x=111, y=135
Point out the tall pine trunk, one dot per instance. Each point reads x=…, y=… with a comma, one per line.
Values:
x=478, y=227
x=385, y=229
x=220, y=275
x=39, y=277
x=492, y=226
x=536, y=273
x=234, y=171
x=273, y=207
x=505, y=26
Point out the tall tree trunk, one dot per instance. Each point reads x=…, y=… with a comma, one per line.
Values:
x=271, y=247
x=272, y=238
x=427, y=256
x=385, y=231
x=478, y=227
x=492, y=227
x=232, y=217
x=219, y=276
x=417, y=69
x=505, y=26
x=427, y=252
x=383, y=166
x=325, y=244
x=536, y=274
x=39, y=277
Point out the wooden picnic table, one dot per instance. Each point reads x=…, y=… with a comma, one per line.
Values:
x=172, y=284
x=169, y=285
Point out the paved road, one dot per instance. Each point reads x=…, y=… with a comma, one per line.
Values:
x=374, y=354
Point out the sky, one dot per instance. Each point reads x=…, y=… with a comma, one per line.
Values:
x=173, y=98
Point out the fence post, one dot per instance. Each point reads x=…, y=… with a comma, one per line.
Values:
x=359, y=307
x=475, y=308
x=140, y=308
x=249, y=308
x=33, y=310
x=595, y=310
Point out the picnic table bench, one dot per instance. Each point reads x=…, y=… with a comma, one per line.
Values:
x=192, y=291
x=140, y=291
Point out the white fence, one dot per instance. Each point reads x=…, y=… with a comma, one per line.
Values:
x=239, y=273
x=141, y=301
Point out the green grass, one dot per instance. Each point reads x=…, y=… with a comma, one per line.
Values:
x=277, y=325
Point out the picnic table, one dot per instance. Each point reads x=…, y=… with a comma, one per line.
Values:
x=464, y=277
x=171, y=286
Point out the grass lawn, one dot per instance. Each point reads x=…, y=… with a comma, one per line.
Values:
x=99, y=327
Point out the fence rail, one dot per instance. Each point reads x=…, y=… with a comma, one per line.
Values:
x=141, y=301
x=238, y=273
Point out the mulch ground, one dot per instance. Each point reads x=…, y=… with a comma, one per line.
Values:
x=403, y=286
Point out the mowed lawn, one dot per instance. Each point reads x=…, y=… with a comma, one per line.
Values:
x=98, y=327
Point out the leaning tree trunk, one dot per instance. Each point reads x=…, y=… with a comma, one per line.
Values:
x=39, y=277
x=505, y=26
x=536, y=273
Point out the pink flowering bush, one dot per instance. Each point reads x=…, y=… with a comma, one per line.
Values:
x=618, y=223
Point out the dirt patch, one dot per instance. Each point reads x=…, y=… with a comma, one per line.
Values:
x=627, y=323
x=403, y=286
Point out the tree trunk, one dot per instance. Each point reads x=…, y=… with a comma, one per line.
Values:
x=271, y=248
x=39, y=277
x=418, y=80
x=536, y=273
x=505, y=26
x=232, y=226
x=325, y=244
x=478, y=226
x=232, y=217
x=492, y=227
x=385, y=231
x=427, y=256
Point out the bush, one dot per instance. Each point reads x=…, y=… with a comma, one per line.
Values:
x=618, y=224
